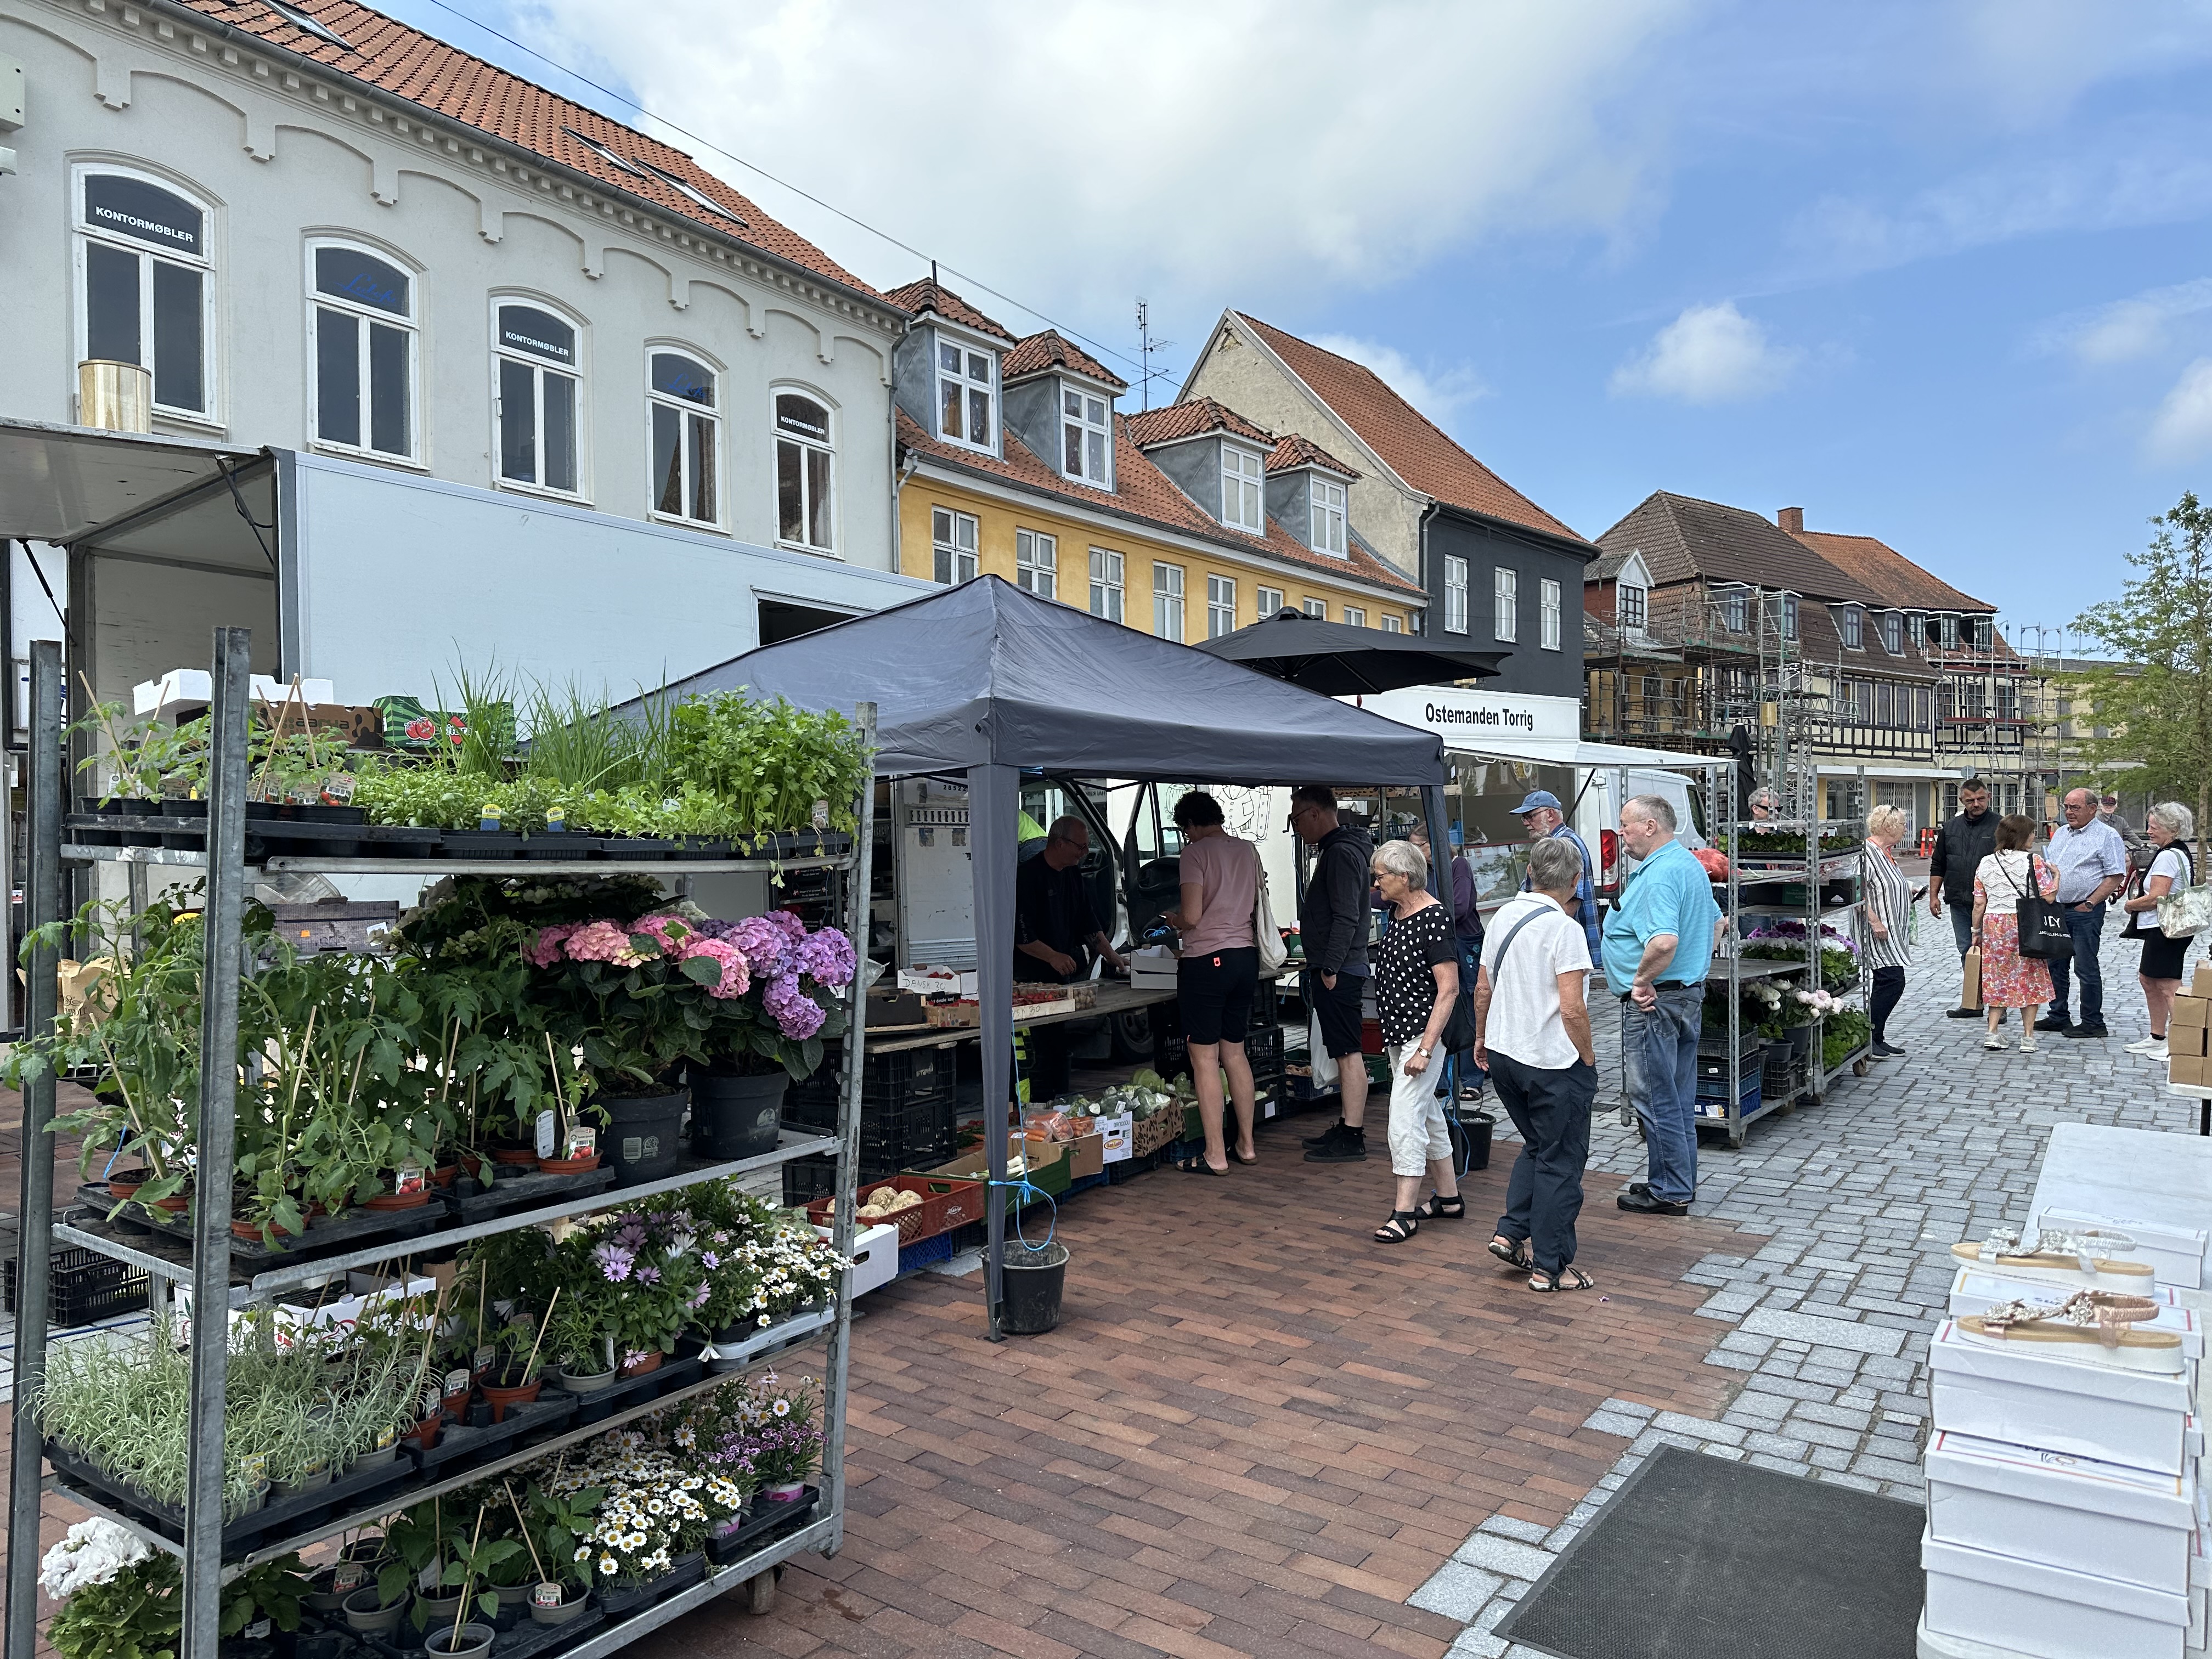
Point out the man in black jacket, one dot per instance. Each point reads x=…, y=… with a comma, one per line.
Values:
x=1334, y=915
x=1960, y=846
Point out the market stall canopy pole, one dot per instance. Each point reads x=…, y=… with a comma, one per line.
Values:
x=994, y=798
x=986, y=675
x=1339, y=660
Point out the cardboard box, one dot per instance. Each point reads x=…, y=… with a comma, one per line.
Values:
x=1086, y=1155
x=2019, y=1606
x=2188, y=1070
x=1152, y=968
x=925, y=980
x=1116, y=1137
x=2040, y=1395
x=2195, y=1010
x=2200, y=982
x=2061, y=1511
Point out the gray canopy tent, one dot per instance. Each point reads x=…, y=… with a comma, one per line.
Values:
x=988, y=680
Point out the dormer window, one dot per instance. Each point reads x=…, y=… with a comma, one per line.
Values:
x=1087, y=435
x=1632, y=607
x=1241, y=475
x=1893, y=634
x=966, y=382
x=1326, y=501
x=1851, y=623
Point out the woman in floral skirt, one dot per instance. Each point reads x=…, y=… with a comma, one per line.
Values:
x=2011, y=980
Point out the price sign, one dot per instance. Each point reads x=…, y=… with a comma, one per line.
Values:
x=457, y=1381
x=348, y=1579
x=546, y=1595
x=545, y=1134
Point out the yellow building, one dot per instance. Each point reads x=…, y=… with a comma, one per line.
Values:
x=1186, y=522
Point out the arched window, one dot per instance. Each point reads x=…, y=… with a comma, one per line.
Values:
x=805, y=452
x=362, y=311
x=537, y=356
x=145, y=274
x=686, y=433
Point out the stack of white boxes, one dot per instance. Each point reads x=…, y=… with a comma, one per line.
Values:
x=2063, y=1501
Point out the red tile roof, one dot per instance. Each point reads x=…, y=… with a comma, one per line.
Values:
x=930, y=295
x=1295, y=452
x=1040, y=353
x=446, y=82
x=1146, y=494
x=1412, y=445
x=1893, y=577
x=1683, y=540
x=1173, y=422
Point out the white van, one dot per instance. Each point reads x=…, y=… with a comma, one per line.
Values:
x=1597, y=814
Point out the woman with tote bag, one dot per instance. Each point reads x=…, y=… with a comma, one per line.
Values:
x=2011, y=980
x=2169, y=825
x=1218, y=970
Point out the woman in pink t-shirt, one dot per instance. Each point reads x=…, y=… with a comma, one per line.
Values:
x=1218, y=973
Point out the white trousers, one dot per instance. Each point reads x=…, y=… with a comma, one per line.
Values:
x=1418, y=1135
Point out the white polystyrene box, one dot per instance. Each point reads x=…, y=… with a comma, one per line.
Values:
x=1152, y=968
x=2040, y=1395
x=875, y=1257
x=2175, y=1253
x=2047, y=1612
x=2064, y=1511
x=1119, y=1133
x=1975, y=1291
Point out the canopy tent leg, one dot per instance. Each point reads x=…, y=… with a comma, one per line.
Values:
x=994, y=798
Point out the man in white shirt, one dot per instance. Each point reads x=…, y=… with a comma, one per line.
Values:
x=1533, y=1035
x=2092, y=862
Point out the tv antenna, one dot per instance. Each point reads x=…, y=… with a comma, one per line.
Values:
x=1147, y=348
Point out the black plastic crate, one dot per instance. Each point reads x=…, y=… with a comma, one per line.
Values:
x=895, y=1080
x=86, y=1287
x=1263, y=1045
x=805, y=1179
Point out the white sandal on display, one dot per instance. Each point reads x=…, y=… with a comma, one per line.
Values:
x=2077, y=1259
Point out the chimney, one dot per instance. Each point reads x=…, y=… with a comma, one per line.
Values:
x=1792, y=519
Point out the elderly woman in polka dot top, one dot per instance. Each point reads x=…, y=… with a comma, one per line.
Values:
x=1416, y=982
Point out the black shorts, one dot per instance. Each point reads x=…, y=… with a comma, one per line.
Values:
x=2162, y=956
x=1215, y=992
x=1338, y=1011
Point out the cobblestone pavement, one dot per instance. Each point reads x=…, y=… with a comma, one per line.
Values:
x=1847, y=1212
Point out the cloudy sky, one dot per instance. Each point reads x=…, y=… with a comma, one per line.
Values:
x=1936, y=270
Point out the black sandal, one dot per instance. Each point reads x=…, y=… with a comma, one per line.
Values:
x=1432, y=1207
x=1515, y=1256
x=1401, y=1226
x=1569, y=1278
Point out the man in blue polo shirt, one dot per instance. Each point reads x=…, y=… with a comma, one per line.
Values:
x=1658, y=943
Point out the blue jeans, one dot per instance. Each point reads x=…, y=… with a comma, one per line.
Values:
x=2088, y=930
x=1962, y=926
x=1661, y=1048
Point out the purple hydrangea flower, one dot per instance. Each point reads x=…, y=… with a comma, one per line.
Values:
x=826, y=958
x=765, y=945
x=797, y=1015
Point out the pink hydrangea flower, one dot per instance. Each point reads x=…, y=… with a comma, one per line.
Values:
x=736, y=976
x=600, y=941
x=670, y=931
x=547, y=950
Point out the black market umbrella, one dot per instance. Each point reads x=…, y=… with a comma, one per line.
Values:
x=1339, y=660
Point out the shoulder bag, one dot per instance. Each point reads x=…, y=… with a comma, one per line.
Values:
x=1460, y=1029
x=2187, y=910
x=1273, y=953
x=2044, y=934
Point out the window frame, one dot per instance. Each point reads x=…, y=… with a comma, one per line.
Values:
x=1392, y=625
x=1167, y=601
x=1328, y=504
x=952, y=517
x=1892, y=632
x=805, y=445
x=1266, y=609
x=685, y=409
x=1220, y=601
x=1551, y=612
x=1790, y=623
x=1318, y=609
x=1455, y=594
x=1085, y=395
x=1851, y=627
x=1355, y=616
x=1735, y=609
x=940, y=376
x=1028, y=568
x=411, y=326
x=579, y=371
x=1505, y=604
x=1116, y=584
x=1256, y=479
x=1624, y=604
x=83, y=231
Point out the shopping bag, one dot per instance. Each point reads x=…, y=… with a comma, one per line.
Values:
x=1969, y=989
x=2043, y=935
x=1324, y=1064
x=1273, y=953
x=2185, y=912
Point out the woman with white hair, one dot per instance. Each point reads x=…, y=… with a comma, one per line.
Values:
x=1885, y=921
x=1416, y=982
x=2169, y=827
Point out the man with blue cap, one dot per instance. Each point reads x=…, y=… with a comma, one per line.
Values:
x=1545, y=820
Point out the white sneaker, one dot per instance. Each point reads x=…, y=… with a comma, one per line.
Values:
x=2148, y=1046
x=1993, y=1042
x=2155, y=1051
x=2027, y=1043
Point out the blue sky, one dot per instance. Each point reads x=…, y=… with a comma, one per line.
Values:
x=1936, y=272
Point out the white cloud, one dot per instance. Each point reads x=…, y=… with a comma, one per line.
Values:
x=1708, y=354
x=1437, y=393
x=1266, y=152
x=2182, y=429
x=2126, y=329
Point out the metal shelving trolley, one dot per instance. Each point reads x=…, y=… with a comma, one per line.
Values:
x=216, y=1286
x=1739, y=1078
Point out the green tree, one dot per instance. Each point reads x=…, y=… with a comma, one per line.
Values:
x=2155, y=697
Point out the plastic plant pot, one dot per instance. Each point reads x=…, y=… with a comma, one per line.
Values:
x=474, y=1642
x=500, y=1399
x=734, y=1117
x=1033, y=1281
x=641, y=1139
x=432, y=1611
x=568, y=1165
x=639, y=1367
x=414, y=1201
x=365, y=1615
x=574, y=1598
x=583, y=1383
x=786, y=1494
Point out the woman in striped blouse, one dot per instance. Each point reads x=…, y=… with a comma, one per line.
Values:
x=1885, y=920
